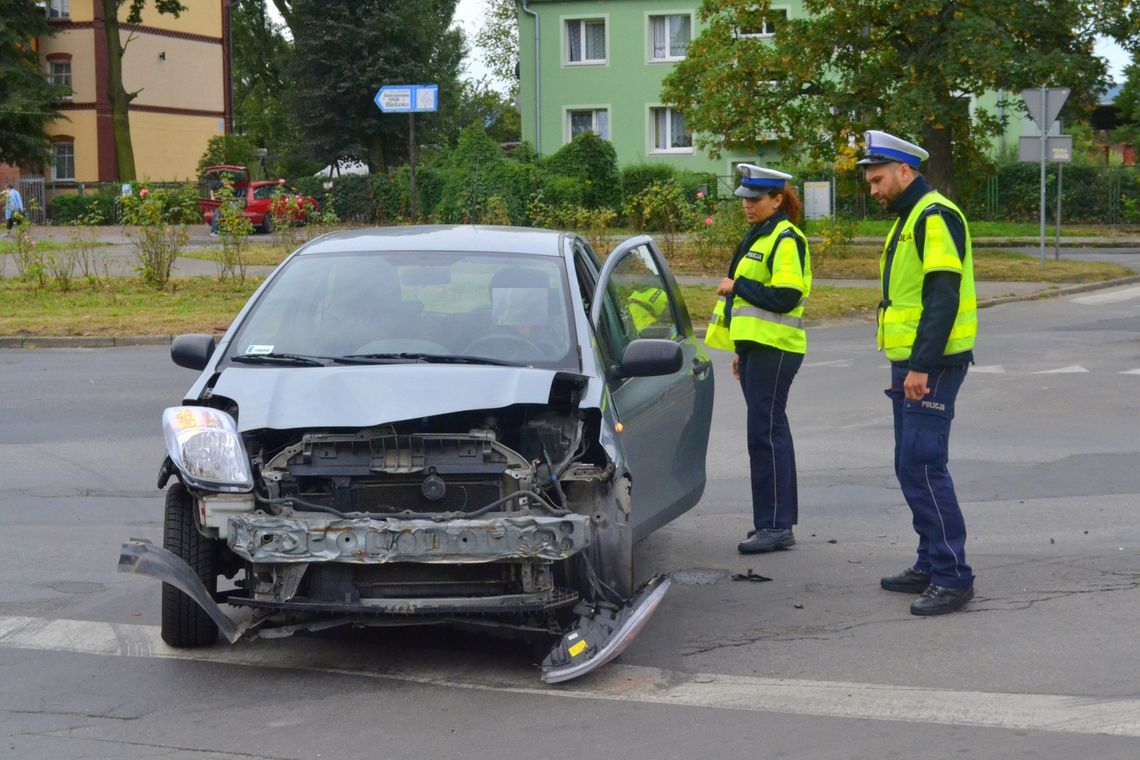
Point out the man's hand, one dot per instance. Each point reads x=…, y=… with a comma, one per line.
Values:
x=914, y=386
x=725, y=287
x=736, y=366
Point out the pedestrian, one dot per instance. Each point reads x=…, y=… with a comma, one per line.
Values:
x=927, y=321
x=13, y=206
x=760, y=317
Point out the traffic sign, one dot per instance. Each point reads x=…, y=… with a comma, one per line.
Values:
x=408, y=98
x=1058, y=149
x=1044, y=104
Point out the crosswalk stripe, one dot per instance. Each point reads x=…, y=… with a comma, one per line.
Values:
x=1111, y=296
x=1072, y=369
x=1056, y=713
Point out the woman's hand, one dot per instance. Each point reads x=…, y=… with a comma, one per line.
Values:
x=725, y=287
x=736, y=366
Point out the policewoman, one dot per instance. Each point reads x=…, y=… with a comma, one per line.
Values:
x=760, y=317
x=927, y=322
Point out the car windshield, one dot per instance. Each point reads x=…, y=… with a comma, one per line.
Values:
x=414, y=306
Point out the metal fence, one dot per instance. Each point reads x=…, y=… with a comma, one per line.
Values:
x=33, y=192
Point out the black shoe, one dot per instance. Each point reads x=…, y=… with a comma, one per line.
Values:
x=909, y=581
x=766, y=540
x=939, y=600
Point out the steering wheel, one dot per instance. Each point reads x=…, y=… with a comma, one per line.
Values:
x=509, y=346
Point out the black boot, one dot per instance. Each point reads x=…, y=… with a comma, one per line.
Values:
x=909, y=581
x=939, y=600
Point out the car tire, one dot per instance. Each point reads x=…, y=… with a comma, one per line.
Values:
x=184, y=623
x=267, y=224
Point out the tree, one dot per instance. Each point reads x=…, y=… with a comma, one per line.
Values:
x=27, y=100
x=498, y=38
x=907, y=66
x=116, y=93
x=1128, y=103
x=479, y=102
x=345, y=50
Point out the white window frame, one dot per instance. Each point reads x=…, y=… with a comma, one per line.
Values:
x=564, y=25
x=52, y=73
x=649, y=16
x=593, y=109
x=58, y=8
x=651, y=133
x=765, y=34
x=55, y=175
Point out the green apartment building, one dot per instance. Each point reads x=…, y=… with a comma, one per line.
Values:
x=598, y=65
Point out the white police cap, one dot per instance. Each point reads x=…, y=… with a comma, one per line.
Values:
x=756, y=180
x=882, y=148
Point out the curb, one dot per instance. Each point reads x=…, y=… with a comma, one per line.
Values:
x=100, y=341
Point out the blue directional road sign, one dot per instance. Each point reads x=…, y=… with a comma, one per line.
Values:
x=408, y=98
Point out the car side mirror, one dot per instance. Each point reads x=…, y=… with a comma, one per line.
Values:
x=650, y=357
x=192, y=350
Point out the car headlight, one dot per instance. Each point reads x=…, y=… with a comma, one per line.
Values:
x=205, y=446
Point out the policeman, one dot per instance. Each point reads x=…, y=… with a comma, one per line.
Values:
x=760, y=316
x=927, y=321
x=646, y=306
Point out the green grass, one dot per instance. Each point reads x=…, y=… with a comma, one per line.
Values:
x=121, y=306
x=862, y=263
x=880, y=228
x=9, y=246
x=826, y=304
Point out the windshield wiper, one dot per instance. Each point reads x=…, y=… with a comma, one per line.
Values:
x=424, y=358
x=289, y=360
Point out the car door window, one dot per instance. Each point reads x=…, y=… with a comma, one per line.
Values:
x=638, y=304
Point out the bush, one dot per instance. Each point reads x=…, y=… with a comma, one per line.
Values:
x=159, y=231
x=636, y=177
x=591, y=161
x=67, y=209
x=661, y=207
x=558, y=190
x=351, y=195
x=719, y=233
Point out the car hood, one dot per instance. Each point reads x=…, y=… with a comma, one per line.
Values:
x=288, y=398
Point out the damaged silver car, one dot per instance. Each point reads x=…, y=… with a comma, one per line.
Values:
x=422, y=425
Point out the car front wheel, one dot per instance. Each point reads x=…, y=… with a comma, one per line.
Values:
x=184, y=623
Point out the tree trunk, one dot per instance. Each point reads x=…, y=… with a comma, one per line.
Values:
x=120, y=99
x=940, y=166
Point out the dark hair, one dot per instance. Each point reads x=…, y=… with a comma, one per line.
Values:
x=792, y=205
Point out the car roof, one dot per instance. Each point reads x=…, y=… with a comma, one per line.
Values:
x=468, y=238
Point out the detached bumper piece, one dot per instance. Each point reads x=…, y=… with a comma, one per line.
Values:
x=600, y=635
x=368, y=540
x=144, y=558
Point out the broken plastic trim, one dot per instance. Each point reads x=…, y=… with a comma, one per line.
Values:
x=601, y=634
x=140, y=556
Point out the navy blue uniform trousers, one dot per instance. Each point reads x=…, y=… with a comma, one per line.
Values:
x=922, y=450
x=766, y=374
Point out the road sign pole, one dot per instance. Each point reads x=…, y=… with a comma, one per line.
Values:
x=1044, y=139
x=412, y=162
x=1057, y=239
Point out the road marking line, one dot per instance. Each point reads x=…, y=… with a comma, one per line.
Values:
x=1032, y=712
x=1131, y=372
x=830, y=363
x=1112, y=296
x=989, y=369
x=1072, y=369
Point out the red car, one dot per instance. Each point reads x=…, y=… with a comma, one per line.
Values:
x=264, y=203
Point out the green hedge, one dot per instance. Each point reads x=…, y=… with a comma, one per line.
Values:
x=94, y=208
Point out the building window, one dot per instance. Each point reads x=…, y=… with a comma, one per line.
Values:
x=586, y=40
x=596, y=120
x=63, y=161
x=767, y=27
x=669, y=133
x=669, y=36
x=59, y=73
x=59, y=8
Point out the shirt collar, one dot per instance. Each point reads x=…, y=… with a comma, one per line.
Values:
x=905, y=202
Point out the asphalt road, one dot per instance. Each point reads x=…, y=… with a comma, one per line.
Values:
x=818, y=663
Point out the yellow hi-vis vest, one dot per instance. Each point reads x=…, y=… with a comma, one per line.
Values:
x=772, y=260
x=901, y=308
x=646, y=307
